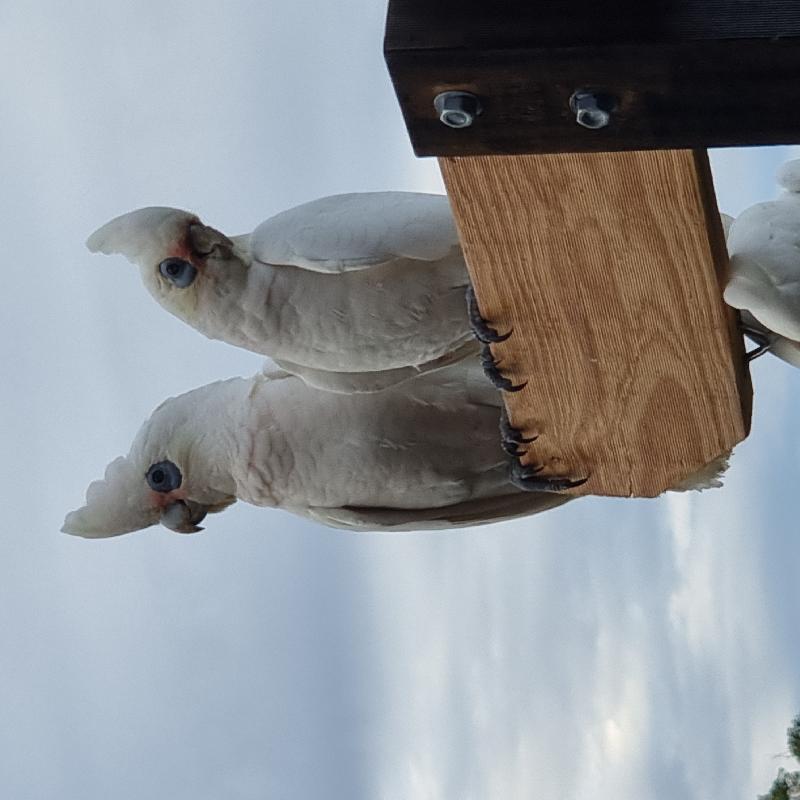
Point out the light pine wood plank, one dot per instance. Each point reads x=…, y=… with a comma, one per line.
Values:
x=609, y=268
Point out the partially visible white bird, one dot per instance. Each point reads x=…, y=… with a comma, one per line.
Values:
x=353, y=292
x=422, y=455
x=764, y=248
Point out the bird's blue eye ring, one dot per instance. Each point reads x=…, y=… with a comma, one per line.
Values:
x=163, y=477
x=178, y=272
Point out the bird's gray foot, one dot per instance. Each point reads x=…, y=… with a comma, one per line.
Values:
x=510, y=437
x=483, y=331
x=528, y=479
x=761, y=339
x=493, y=373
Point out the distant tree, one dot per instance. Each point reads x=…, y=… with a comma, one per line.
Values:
x=793, y=737
x=779, y=791
x=787, y=784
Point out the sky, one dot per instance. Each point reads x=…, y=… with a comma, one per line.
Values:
x=606, y=649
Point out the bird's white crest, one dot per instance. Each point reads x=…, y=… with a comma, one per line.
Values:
x=123, y=502
x=136, y=235
x=115, y=505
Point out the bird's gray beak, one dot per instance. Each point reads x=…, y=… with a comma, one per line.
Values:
x=182, y=516
x=205, y=240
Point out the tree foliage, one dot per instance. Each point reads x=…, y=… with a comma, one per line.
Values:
x=793, y=737
x=787, y=784
x=786, y=787
x=779, y=790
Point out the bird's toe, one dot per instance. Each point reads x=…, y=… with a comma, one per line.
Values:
x=528, y=478
x=510, y=437
x=493, y=373
x=483, y=331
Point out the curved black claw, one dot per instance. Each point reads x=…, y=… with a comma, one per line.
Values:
x=493, y=373
x=527, y=479
x=762, y=340
x=480, y=327
x=510, y=437
x=510, y=433
x=512, y=448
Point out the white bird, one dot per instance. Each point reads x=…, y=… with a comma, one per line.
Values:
x=422, y=455
x=353, y=292
x=764, y=282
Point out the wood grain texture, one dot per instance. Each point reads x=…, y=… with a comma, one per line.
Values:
x=608, y=266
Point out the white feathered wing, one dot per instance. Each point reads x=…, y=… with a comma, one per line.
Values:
x=764, y=248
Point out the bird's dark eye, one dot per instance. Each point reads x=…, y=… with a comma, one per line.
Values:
x=178, y=272
x=163, y=477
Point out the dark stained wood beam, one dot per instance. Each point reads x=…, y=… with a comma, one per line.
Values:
x=681, y=73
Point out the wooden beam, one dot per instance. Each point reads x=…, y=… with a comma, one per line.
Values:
x=680, y=73
x=608, y=267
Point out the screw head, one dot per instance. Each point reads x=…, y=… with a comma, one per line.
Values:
x=457, y=109
x=592, y=109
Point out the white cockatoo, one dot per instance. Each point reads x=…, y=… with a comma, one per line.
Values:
x=420, y=455
x=764, y=281
x=353, y=292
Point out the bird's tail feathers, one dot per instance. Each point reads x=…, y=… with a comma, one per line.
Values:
x=708, y=477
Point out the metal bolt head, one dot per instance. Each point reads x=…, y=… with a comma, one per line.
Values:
x=592, y=109
x=456, y=109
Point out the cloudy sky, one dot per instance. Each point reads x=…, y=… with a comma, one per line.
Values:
x=608, y=649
